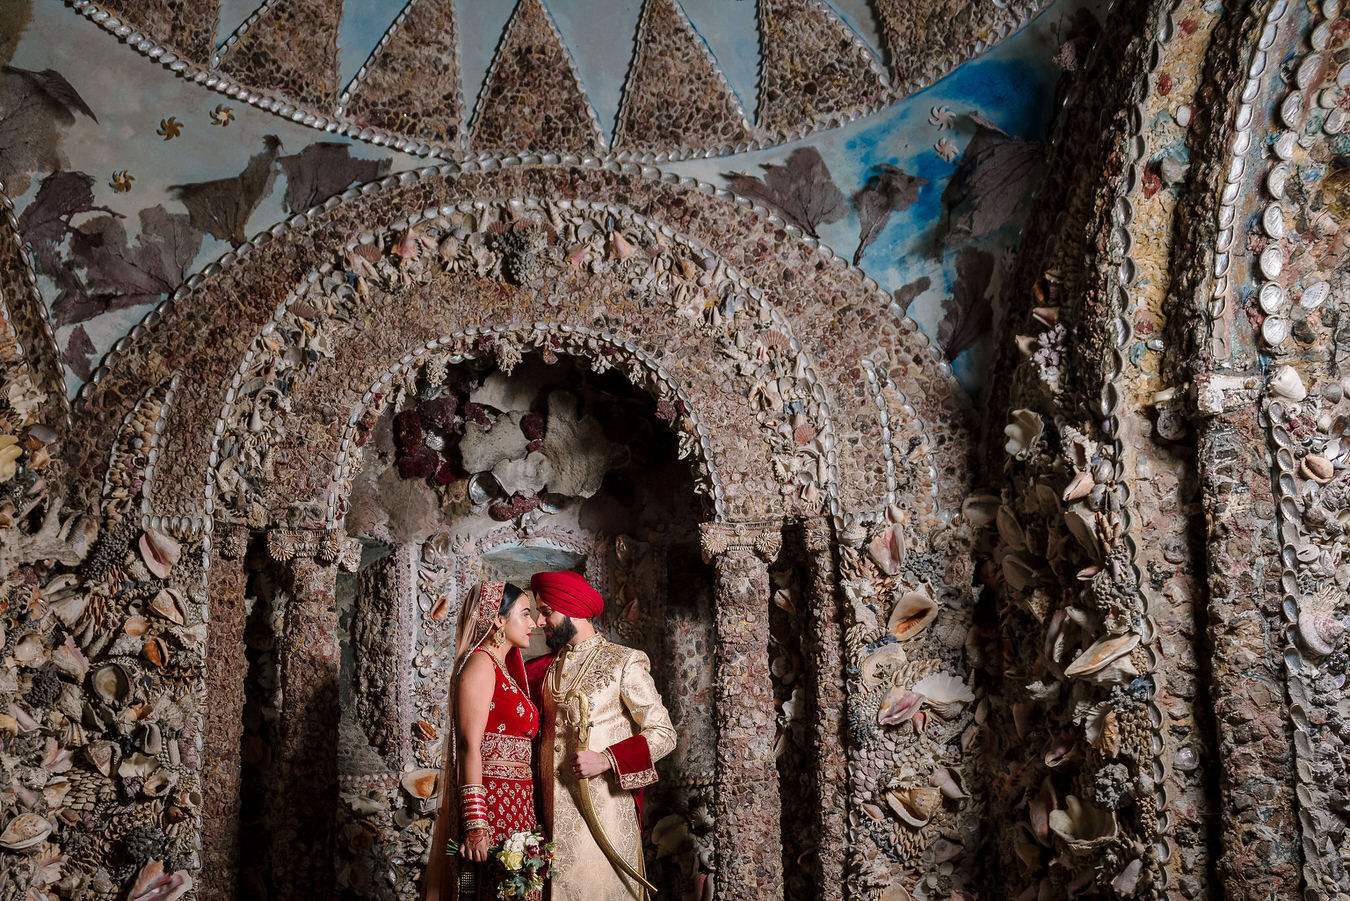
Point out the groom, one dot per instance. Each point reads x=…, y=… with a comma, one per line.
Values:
x=603, y=728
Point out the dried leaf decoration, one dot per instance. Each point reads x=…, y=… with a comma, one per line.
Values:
x=990, y=182
x=77, y=353
x=323, y=169
x=801, y=189
x=46, y=221
x=106, y=273
x=905, y=294
x=221, y=207
x=33, y=106
x=889, y=189
x=969, y=311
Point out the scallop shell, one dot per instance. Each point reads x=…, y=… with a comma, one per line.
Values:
x=914, y=806
x=169, y=604
x=159, y=551
x=111, y=683
x=27, y=830
x=1101, y=654
x=944, y=690
x=914, y=611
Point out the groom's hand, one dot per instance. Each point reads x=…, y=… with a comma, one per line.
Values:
x=589, y=763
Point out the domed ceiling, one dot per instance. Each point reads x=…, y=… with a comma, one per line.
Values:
x=904, y=136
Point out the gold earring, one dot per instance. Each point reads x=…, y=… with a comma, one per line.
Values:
x=499, y=638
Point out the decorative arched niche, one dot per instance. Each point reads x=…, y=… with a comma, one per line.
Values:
x=829, y=448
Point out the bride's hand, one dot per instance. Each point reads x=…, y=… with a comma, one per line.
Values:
x=475, y=845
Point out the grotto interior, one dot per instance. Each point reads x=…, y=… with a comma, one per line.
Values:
x=947, y=398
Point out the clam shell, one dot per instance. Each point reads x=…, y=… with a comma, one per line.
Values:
x=914, y=611
x=1084, y=531
x=169, y=605
x=424, y=730
x=159, y=551
x=1010, y=530
x=421, y=783
x=111, y=683
x=27, y=830
x=1019, y=574
x=1101, y=654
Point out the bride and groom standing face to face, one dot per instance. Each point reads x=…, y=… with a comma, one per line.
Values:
x=518, y=618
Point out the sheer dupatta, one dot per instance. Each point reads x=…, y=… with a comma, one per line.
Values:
x=442, y=881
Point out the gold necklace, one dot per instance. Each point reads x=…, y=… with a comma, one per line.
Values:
x=555, y=672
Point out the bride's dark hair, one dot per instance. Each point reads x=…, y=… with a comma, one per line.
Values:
x=509, y=595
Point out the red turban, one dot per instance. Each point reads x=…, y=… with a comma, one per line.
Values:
x=568, y=593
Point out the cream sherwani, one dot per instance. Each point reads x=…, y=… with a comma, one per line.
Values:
x=623, y=703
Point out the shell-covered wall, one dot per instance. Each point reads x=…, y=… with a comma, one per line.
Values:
x=1082, y=637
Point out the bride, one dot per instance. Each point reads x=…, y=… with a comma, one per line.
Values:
x=489, y=794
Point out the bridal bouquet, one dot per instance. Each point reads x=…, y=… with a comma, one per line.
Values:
x=522, y=863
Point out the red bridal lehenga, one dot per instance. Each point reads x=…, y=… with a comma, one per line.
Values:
x=512, y=723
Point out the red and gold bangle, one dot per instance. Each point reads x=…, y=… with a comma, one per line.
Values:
x=473, y=806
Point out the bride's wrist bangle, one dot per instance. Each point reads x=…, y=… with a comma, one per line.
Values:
x=473, y=806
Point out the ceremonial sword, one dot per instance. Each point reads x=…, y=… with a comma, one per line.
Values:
x=588, y=802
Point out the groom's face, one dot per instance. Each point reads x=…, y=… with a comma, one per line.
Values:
x=558, y=627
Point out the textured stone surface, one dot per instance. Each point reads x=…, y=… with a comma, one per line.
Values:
x=290, y=50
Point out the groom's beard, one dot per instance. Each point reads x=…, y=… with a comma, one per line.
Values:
x=561, y=635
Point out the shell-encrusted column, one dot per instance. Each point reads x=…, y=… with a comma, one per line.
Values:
x=747, y=807
x=308, y=662
x=224, y=714
x=825, y=675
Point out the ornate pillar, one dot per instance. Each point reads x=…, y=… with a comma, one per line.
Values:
x=825, y=675
x=747, y=807
x=223, y=714
x=302, y=859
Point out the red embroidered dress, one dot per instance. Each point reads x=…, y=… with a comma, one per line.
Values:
x=512, y=724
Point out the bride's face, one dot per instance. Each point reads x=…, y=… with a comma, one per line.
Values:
x=518, y=623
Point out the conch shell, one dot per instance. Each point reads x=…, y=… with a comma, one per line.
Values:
x=914, y=806
x=914, y=611
x=159, y=551
x=899, y=706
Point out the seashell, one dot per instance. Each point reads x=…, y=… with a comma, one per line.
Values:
x=137, y=766
x=102, y=755
x=943, y=690
x=27, y=830
x=168, y=603
x=896, y=892
x=887, y=550
x=1319, y=632
x=54, y=793
x=69, y=660
x=153, y=884
x=156, y=651
x=1287, y=384
x=979, y=509
x=1317, y=468
x=948, y=782
x=439, y=608
x=1080, y=486
x=1010, y=530
x=914, y=806
x=1039, y=809
x=1314, y=295
x=670, y=835
x=483, y=487
x=30, y=650
x=1024, y=432
x=111, y=683
x=70, y=610
x=620, y=248
x=1275, y=330
x=914, y=611
x=421, y=783
x=888, y=655
x=1101, y=654
x=424, y=730
x=1083, y=826
x=873, y=811
x=1127, y=881
x=150, y=737
x=160, y=552
x=136, y=626
x=899, y=705
x=1084, y=531
x=158, y=784
x=1019, y=574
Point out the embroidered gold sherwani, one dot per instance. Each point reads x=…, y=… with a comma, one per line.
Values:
x=628, y=722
